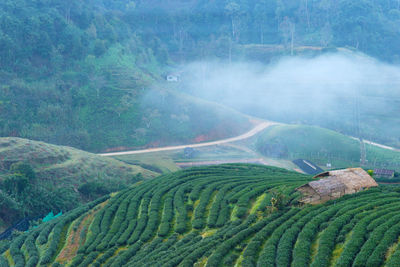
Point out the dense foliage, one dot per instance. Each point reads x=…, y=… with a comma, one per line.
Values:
x=52, y=34
x=219, y=216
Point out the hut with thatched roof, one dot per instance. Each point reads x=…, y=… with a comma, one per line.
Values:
x=335, y=184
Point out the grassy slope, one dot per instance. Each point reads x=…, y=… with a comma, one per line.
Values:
x=159, y=162
x=60, y=163
x=64, y=169
x=322, y=146
x=171, y=220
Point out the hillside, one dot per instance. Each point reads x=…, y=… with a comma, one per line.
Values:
x=78, y=73
x=37, y=178
x=129, y=109
x=166, y=133
x=218, y=216
x=378, y=113
x=322, y=146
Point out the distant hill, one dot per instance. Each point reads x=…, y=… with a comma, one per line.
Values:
x=228, y=215
x=37, y=178
x=322, y=146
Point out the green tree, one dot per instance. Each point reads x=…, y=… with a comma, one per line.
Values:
x=15, y=184
x=261, y=17
x=233, y=11
x=287, y=29
x=278, y=199
x=24, y=169
x=99, y=48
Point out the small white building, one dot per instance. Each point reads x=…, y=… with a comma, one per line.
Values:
x=173, y=77
x=329, y=165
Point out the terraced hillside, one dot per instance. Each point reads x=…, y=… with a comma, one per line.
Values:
x=218, y=216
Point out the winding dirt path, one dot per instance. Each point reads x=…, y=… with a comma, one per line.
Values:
x=258, y=128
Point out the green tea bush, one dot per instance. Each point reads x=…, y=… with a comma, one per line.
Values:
x=183, y=218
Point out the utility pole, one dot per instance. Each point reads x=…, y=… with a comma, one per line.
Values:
x=363, y=153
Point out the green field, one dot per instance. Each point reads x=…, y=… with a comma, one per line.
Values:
x=218, y=216
x=325, y=146
x=169, y=161
x=160, y=162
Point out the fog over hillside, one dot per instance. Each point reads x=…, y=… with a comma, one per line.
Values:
x=279, y=84
x=333, y=90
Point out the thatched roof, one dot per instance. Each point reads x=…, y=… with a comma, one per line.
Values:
x=325, y=186
x=347, y=181
x=352, y=178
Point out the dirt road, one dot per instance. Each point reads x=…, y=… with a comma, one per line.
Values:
x=381, y=146
x=218, y=162
x=258, y=128
x=376, y=144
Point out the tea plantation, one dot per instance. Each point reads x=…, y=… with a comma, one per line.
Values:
x=218, y=216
